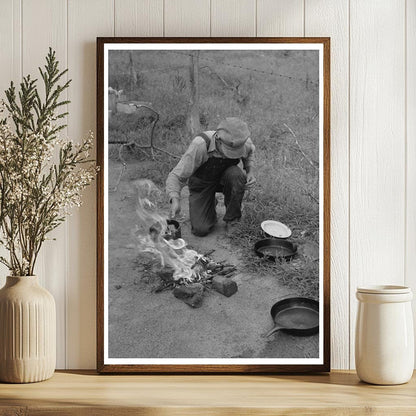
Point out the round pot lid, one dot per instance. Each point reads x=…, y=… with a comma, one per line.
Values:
x=276, y=229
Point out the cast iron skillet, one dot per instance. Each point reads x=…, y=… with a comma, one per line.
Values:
x=295, y=316
x=284, y=250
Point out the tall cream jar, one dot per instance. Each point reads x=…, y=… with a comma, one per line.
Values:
x=384, y=343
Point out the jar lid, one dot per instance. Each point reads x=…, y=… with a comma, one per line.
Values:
x=384, y=289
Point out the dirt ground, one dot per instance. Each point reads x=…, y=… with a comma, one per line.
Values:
x=144, y=324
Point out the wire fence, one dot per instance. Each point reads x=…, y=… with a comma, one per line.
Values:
x=248, y=69
x=240, y=67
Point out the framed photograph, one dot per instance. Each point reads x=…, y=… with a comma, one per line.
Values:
x=213, y=205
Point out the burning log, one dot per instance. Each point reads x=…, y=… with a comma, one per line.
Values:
x=205, y=273
x=226, y=287
x=201, y=260
x=192, y=294
x=182, y=269
x=227, y=270
x=165, y=286
x=166, y=274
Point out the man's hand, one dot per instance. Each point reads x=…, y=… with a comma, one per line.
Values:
x=251, y=180
x=175, y=207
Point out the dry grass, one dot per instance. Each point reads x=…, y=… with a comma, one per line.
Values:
x=287, y=188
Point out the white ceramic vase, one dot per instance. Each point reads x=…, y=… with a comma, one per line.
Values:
x=27, y=331
x=384, y=352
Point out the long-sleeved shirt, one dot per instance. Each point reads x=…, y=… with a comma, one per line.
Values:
x=195, y=156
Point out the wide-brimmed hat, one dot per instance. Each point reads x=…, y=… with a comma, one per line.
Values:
x=234, y=134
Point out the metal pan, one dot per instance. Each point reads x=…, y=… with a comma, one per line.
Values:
x=295, y=316
x=172, y=232
x=275, y=249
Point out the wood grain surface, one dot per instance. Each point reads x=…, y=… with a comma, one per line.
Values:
x=280, y=18
x=185, y=18
x=85, y=393
x=377, y=146
x=372, y=128
x=331, y=18
x=233, y=18
x=410, y=276
x=138, y=18
x=81, y=255
x=35, y=45
x=10, y=66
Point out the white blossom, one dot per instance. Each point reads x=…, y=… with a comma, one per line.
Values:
x=37, y=190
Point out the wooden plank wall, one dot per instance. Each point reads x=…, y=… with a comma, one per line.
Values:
x=373, y=132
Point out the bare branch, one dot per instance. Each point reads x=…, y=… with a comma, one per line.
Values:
x=310, y=161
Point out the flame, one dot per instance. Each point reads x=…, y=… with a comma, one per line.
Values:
x=146, y=209
x=182, y=261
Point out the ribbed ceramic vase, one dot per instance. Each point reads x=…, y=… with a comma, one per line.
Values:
x=27, y=331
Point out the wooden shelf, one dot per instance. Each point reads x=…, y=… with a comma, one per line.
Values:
x=86, y=393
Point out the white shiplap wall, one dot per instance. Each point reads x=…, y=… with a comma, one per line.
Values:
x=373, y=132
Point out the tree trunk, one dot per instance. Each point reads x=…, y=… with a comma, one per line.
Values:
x=194, y=126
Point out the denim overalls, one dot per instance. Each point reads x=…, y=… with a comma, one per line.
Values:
x=215, y=175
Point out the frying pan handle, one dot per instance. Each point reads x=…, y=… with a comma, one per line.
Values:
x=272, y=331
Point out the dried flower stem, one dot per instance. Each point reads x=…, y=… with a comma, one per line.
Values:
x=36, y=194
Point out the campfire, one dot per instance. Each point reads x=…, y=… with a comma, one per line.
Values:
x=183, y=270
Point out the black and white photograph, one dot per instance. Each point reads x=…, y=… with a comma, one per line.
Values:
x=213, y=204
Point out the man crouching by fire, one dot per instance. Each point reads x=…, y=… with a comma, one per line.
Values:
x=209, y=165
